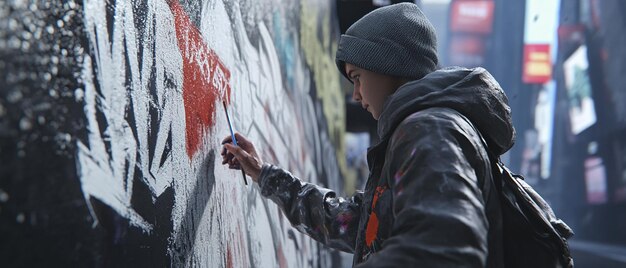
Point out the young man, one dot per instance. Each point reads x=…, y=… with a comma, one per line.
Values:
x=430, y=200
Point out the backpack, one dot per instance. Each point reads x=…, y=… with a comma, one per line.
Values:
x=532, y=235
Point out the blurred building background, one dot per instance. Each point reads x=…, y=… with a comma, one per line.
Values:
x=562, y=64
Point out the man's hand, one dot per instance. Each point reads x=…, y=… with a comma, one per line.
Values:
x=242, y=156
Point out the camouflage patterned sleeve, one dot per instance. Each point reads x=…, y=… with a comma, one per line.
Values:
x=313, y=210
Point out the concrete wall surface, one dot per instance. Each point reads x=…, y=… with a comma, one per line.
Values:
x=111, y=119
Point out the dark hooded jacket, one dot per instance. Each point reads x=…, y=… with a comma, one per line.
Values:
x=430, y=200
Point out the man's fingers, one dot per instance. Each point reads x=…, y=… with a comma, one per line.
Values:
x=227, y=157
x=237, y=167
x=228, y=139
x=233, y=161
x=236, y=150
x=242, y=140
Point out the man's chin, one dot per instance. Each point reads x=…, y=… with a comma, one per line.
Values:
x=375, y=116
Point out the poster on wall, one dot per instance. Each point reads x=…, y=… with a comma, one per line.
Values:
x=582, y=111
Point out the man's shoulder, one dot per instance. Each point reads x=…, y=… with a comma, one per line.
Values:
x=444, y=123
x=435, y=116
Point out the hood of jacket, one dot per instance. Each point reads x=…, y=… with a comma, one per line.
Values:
x=472, y=92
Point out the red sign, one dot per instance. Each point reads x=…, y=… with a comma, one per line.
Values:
x=537, y=64
x=466, y=50
x=472, y=17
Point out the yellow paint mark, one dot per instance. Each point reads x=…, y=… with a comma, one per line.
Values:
x=320, y=57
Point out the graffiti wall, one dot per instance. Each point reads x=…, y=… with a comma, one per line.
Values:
x=111, y=117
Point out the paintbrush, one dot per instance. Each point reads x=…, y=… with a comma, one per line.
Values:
x=232, y=134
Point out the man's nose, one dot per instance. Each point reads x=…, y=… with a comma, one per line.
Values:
x=356, y=96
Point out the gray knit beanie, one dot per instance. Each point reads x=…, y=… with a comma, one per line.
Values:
x=396, y=40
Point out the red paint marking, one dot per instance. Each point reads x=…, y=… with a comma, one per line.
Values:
x=205, y=79
x=229, y=257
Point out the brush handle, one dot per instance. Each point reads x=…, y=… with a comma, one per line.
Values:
x=244, y=176
x=232, y=134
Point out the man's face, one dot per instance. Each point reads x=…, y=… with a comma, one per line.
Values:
x=371, y=89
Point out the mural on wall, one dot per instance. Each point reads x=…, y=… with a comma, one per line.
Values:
x=144, y=121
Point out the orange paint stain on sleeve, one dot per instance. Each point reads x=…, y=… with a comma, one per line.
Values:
x=371, y=231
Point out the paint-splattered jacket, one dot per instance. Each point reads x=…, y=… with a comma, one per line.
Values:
x=430, y=200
